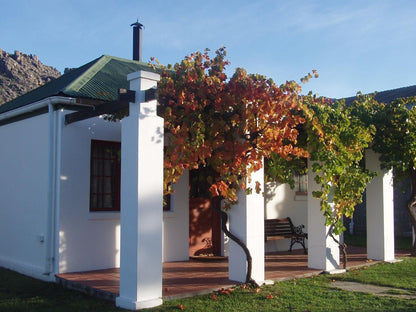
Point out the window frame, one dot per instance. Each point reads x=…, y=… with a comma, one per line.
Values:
x=167, y=203
x=114, y=146
x=298, y=182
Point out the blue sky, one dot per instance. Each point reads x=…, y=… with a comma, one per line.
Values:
x=364, y=45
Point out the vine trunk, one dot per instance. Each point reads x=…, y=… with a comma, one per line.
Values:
x=342, y=247
x=239, y=242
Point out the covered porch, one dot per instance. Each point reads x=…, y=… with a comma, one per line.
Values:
x=190, y=278
x=143, y=280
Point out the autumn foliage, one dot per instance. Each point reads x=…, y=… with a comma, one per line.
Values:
x=233, y=125
x=229, y=125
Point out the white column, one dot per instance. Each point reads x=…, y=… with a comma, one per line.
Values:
x=380, y=211
x=247, y=223
x=323, y=251
x=141, y=200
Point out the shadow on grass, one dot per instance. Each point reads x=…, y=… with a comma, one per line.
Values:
x=22, y=293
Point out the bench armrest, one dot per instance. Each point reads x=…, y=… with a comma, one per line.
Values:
x=298, y=230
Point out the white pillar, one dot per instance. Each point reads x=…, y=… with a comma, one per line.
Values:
x=323, y=251
x=380, y=211
x=247, y=223
x=141, y=200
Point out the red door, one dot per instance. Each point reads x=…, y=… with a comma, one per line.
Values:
x=204, y=222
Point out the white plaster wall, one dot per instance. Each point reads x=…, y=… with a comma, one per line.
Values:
x=91, y=240
x=24, y=195
x=380, y=211
x=87, y=240
x=281, y=202
x=176, y=223
x=246, y=220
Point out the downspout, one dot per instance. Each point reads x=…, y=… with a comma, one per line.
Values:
x=52, y=238
x=57, y=190
x=50, y=220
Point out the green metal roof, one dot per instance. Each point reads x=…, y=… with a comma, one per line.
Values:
x=389, y=95
x=99, y=80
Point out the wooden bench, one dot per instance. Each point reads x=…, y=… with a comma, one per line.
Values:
x=284, y=228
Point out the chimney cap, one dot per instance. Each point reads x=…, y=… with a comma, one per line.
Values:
x=137, y=24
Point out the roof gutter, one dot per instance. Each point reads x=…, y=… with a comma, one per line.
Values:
x=53, y=100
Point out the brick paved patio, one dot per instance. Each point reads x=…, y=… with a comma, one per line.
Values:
x=188, y=278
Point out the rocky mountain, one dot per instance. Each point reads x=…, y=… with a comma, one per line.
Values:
x=20, y=73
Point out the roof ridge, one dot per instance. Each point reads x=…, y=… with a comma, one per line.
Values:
x=126, y=60
x=99, y=79
x=85, y=77
x=394, y=89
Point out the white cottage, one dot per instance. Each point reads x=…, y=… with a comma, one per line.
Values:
x=63, y=185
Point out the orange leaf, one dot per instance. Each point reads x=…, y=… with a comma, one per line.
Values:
x=222, y=187
x=213, y=297
x=214, y=190
x=181, y=307
x=258, y=188
x=269, y=297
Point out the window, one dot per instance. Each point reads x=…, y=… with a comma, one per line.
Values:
x=105, y=176
x=301, y=184
x=167, y=199
x=167, y=202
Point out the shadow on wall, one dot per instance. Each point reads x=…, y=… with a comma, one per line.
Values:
x=200, y=224
x=281, y=202
x=331, y=258
x=276, y=199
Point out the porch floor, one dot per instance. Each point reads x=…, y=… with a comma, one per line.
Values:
x=189, y=278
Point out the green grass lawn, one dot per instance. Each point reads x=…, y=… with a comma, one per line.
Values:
x=398, y=275
x=401, y=243
x=20, y=293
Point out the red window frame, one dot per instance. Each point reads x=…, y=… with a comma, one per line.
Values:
x=105, y=181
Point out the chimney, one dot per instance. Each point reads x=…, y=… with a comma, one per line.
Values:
x=137, y=41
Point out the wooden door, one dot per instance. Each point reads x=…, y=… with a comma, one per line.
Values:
x=204, y=222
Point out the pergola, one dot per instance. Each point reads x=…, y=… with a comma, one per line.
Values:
x=142, y=213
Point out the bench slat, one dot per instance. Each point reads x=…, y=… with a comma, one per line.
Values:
x=281, y=229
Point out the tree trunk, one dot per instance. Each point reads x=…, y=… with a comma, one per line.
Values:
x=224, y=219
